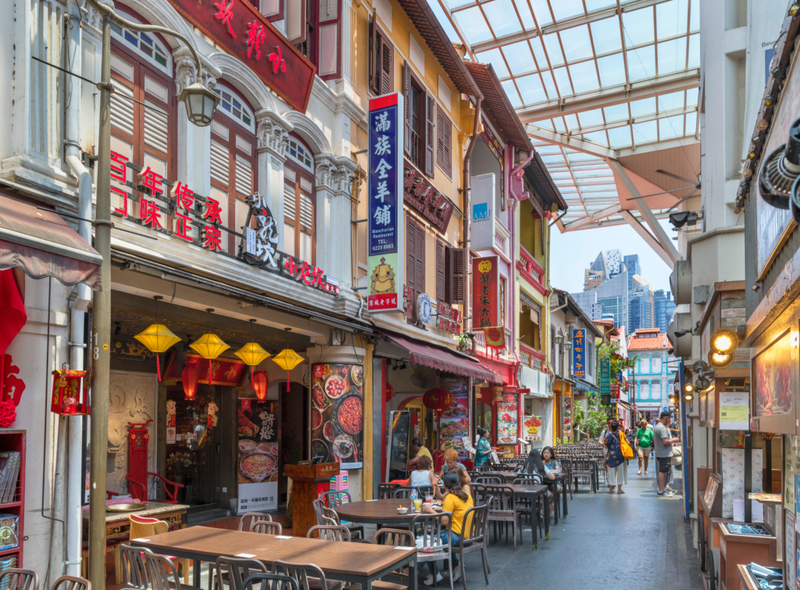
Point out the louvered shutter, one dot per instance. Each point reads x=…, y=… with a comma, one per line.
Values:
x=407, y=104
x=386, y=66
x=419, y=270
x=430, y=134
x=448, y=146
x=296, y=21
x=455, y=275
x=440, y=271
x=411, y=239
x=374, y=56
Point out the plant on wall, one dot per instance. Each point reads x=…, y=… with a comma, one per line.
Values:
x=619, y=364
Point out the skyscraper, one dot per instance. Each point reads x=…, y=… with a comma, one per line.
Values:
x=612, y=295
x=631, y=262
x=663, y=308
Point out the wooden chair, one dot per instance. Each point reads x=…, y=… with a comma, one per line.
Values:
x=334, y=499
x=159, y=569
x=266, y=526
x=246, y=519
x=329, y=533
x=142, y=527
x=133, y=567
x=261, y=581
x=18, y=579
x=233, y=571
x=72, y=583
x=138, y=489
x=386, y=490
x=427, y=528
x=308, y=575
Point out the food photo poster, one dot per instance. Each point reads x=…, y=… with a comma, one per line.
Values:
x=258, y=462
x=454, y=419
x=337, y=414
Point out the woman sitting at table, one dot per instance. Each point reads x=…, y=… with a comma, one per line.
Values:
x=451, y=463
x=458, y=502
x=422, y=477
x=551, y=470
x=463, y=480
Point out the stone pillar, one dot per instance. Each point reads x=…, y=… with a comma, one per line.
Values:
x=272, y=133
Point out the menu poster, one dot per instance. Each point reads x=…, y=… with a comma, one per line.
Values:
x=259, y=453
x=507, y=412
x=337, y=415
x=532, y=427
x=454, y=420
x=734, y=410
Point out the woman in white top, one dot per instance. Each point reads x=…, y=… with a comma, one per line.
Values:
x=423, y=477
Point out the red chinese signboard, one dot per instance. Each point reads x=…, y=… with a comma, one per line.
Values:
x=423, y=197
x=485, y=292
x=615, y=390
x=449, y=319
x=241, y=30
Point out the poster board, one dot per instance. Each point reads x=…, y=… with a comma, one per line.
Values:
x=337, y=415
x=454, y=419
x=258, y=461
x=734, y=410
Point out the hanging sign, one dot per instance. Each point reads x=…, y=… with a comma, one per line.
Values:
x=578, y=352
x=485, y=292
x=605, y=381
x=242, y=31
x=449, y=319
x=259, y=455
x=423, y=197
x=385, y=207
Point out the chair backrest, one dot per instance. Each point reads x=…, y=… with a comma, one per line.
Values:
x=141, y=526
x=385, y=490
x=236, y=570
x=528, y=479
x=308, y=575
x=394, y=538
x=19, y=579
x=401, y=492
x=137, y=489
x=266, y=526
x=500, y=498
x=72, y=583
x=133, y=567
x=427, y=528
x=489, y=479
x=246, y=519
x=329, y=533
x=475, y=528
x=259, y=581
x=335, y=498
x=159, y=570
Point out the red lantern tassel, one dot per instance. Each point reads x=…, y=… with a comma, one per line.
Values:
x=158, y=366
x=209, y=371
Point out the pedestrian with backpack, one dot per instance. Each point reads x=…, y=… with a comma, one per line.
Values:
x=618, y=452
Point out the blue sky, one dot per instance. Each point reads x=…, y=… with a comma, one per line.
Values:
x=571, y=253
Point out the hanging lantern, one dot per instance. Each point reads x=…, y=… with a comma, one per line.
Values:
x=70, y=392
x=189, y=379
x=157, y=338
x=287, y=359
x=388, y=393
x=497, y=392
x=260, y=384
x=252, y=354
x=209, y=346
x=437, y=399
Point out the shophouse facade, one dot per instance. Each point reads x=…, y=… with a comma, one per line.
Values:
x=654, y=373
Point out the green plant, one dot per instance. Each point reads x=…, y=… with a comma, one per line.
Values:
x=618, y=362
x=593, y=420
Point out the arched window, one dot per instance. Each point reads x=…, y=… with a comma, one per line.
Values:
x=655, y=391
x=234, y=154
x=644, y=364
x=656, y=360
x=143, y=118
x=299, y=201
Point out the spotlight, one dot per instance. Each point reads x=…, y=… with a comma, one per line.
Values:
x=719, y=360
x=724, y=341
x=687, y=397
x=688, y=388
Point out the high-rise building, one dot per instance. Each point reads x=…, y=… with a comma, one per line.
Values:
x=640, y=304
x=606, y=266
x=631, y=262
x=663, y=308
x=612, y=295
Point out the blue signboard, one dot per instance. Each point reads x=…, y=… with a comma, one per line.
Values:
x=385, y=204
x=578, y=352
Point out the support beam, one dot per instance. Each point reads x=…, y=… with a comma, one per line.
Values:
x=647, y=237
x=611, y=96
x=583, y=221
x=659, y=146
x=658, y=231
x=575, y=143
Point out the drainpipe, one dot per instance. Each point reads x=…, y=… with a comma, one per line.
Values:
x=77, y=340
x=467, y=211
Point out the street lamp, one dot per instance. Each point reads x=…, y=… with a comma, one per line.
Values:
x=200, y=104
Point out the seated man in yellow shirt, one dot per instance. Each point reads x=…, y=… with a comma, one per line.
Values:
x=419, y=451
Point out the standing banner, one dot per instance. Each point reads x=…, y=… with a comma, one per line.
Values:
x=485, y=292
x=578, y=352
x=337, y=415
x=385, y=204
x=259, y=455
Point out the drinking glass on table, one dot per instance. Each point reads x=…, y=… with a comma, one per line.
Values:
x=429, y=498
x=418, y=505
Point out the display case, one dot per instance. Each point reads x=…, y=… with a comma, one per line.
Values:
x=12, y=497
x=398, y=445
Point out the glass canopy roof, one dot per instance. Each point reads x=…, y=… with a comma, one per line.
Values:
x=594, y=80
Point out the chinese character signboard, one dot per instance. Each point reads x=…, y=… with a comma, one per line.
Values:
x=385, y=207
x=423, y=197
x=259, y=455
x=578, y=352
x=241, y=30
x=337, y=415
x=449, y=319
x=485, y=292
x=605, y=381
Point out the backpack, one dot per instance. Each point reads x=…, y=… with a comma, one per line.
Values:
x=615, y=457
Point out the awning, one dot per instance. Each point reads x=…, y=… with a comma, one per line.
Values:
x=585, y=386
x=443, y=360
x=624, y=405
x=42, y=244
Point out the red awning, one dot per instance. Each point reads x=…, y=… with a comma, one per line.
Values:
x=444, y=360
x=42, y=244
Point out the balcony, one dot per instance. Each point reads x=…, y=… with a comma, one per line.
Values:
x=488, y=233
x=531, y=271
x=530, y=357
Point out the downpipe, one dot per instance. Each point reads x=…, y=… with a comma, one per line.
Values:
x=466, y=171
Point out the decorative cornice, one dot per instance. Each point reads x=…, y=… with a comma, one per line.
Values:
x=186, y=70
x=272, y=132
x=335, y=174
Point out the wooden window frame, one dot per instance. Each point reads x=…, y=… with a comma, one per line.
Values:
x=309, y=42
x=420, y=150
x=299, y=171
x=444, y=142
x=415, y=259
x=279, y=15
x=235, y=127
x=381, y=60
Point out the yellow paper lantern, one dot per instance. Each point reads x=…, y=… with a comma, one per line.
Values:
x=252, y=354
x=209, y=346
x=157, y=338
x=287, y=359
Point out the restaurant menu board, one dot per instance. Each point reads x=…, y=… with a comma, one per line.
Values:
x=772, y=370
x=259, y=453
x=399, y=437
x=454, y=421
x=532, y=427
x=507, y=413
x=337, y=415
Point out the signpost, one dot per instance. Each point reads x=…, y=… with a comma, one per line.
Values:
x=485, y=292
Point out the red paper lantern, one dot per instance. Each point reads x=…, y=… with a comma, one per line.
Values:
x=388, y=393
x=260, y=384
x=189, y=379
x=437, y=399
x=70, y=392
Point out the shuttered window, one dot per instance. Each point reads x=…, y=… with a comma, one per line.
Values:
x=454, y=273
x=415, y=261
x=441, y=276
x=315, y=28
x=444, y=142
x=233, y=161
x=299, y=202
x=381, y=61
x=420, y=122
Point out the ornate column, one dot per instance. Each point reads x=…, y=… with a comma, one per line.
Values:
x=272, y=133
x=334, y=178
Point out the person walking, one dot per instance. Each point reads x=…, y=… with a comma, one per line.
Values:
x=644, y=444
x=664, y=442
x=617, y=465
x=603, y=434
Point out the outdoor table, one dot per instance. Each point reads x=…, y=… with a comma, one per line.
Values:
x=356, y=563
x=510, y=476
x=533, y=491
x=383, y=512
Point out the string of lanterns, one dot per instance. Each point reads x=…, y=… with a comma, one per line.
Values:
x=158, y=338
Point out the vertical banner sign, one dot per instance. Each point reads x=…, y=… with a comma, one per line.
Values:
x=385, y=207
x=485, y=292
x=337, y=415
x=258, y=462
x=578, y=352
x=605, y=381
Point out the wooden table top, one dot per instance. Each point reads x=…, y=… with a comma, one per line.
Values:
x=335, y=557
x=380, y=511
